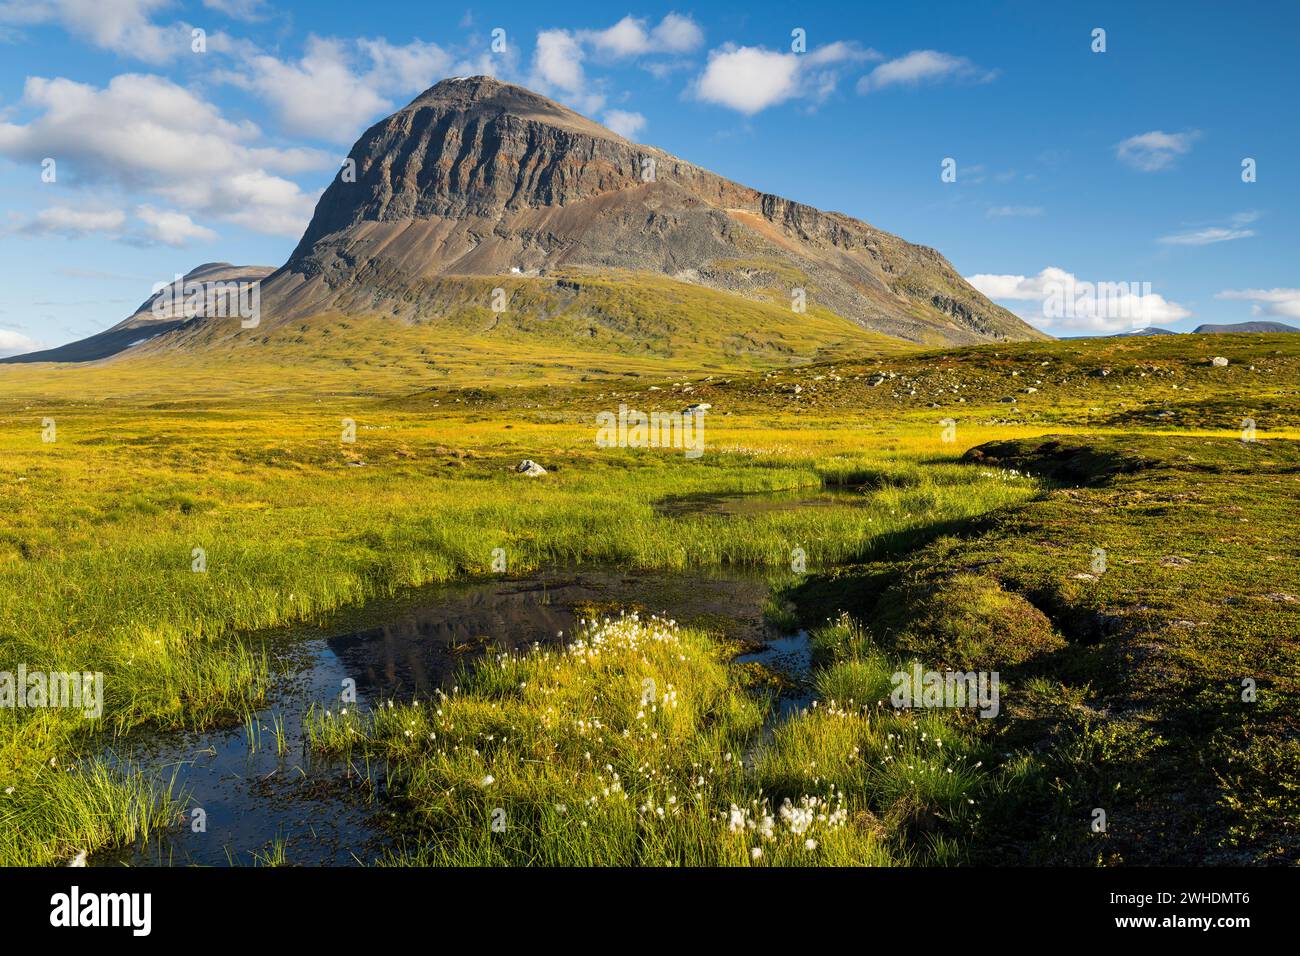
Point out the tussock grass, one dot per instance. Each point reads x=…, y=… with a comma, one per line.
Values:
x=568, y=753
x=583, y=762
x=1142, y=614
x=50, y=814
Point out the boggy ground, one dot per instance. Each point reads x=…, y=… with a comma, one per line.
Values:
x=1143, y=612
x=1122, y=686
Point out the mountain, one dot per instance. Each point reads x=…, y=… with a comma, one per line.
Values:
x=144, y=323
x=476, y=177
x=1245, y=327
x=1149, y=330
x=603, y=245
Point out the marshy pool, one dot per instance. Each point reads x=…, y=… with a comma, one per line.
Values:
x=265, y=794
x=752, y=503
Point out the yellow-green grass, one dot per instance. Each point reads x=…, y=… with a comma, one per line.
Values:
x=98, y=550
x=243, y=459
x=632, y=746
x=54, y=812
x=616, y=328
x=101, y=525
x=1142, y=613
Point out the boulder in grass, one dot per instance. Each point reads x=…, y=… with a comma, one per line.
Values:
x=1281, y=597
x=530, y=468
x=1218, y=361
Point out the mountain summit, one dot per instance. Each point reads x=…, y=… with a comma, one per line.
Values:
x=476, y=177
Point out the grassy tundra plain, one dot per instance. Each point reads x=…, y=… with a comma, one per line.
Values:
x=1122, y=676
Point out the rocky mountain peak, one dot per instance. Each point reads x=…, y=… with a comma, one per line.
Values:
x=486, y=95
x=478, y=177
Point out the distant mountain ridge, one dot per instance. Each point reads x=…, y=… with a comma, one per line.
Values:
x=142, y=324
x=1149, y=330
x=1229, y=329
x=1256, y=326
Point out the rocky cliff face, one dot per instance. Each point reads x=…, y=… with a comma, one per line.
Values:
x=477, y=177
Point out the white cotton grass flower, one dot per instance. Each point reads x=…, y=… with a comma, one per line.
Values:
x=755, y=852
x=487, y=781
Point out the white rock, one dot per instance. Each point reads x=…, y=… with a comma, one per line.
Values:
x=530, y=468
x=1218, y=361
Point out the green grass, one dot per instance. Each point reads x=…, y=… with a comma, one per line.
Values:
x=578, y=766
x=557, y=330
x=291, y=533
x=55, y=812
x=1123, y=681
x=970, y=564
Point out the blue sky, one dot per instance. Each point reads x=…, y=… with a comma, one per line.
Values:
x=1072, y=166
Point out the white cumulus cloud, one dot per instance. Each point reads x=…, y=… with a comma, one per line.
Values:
x=122, y=26
x=749, y=79
x=557, y=61
x=15, y=343
x=1154, y=151
x=1284, y=303
x=635, y=37
x=560, y=57
x=146, y=134
x=923, y=66
x=339, y=87
x=318, y=96
x=170, y=227
x=74, y=222
x=1066, y=303
x=677, y=34
x=625, y=123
